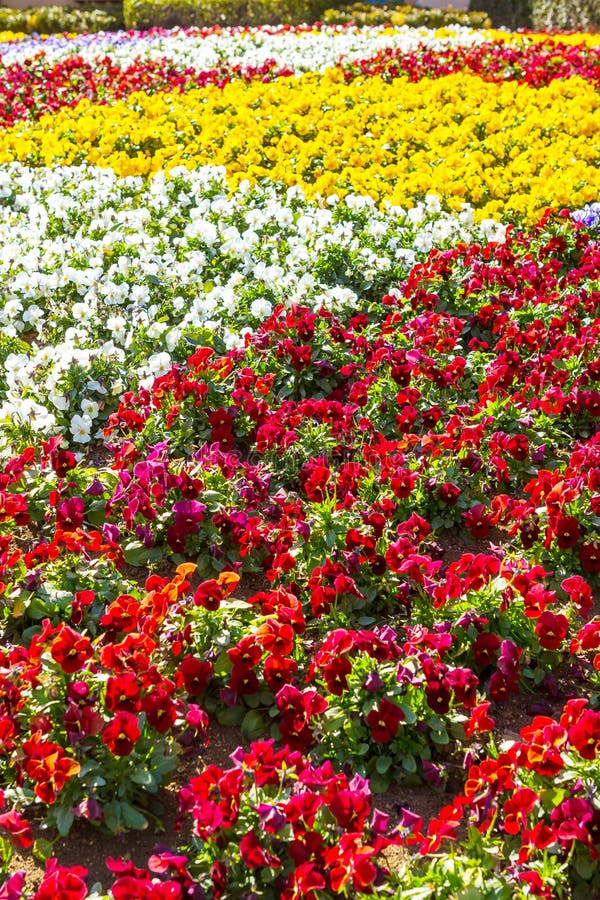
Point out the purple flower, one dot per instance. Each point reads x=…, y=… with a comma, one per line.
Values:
x=96, y=488
x=111, y=532
x=373, y=682
x=272, y=819
x=588, y=216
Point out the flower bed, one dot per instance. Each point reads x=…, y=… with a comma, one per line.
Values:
x=317, y=465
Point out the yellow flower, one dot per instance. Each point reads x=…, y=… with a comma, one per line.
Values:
x=504, y=147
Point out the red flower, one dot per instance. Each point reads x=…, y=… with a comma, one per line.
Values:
x=486, y=647
x=584, y=735
x=208, y=595
x=196, y=674
x=477, y=520
x=540, y=749
x=275, y=637
x=449, y=493
x=255, y=856
x=350, y=861
x=438, y=696
x=567, y=531
x=303, y=883
x=70, y=650
x=18, y=830
x=122, y=692
x=579, y=591
x=61, y=883
x=479, y=721
x=335, y=675
x=218, y=874
x=516, y=809
x=551, y=630
x=589, y=557
x=518, y=446
x=160, y=709
x=47, y=765
x=121, y=734
x=297, y=709
x=314, y=477
x=279, y=671
x=221, y=423
x=385, y=721
x=402, y=483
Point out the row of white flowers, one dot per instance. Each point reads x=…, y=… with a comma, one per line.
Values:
x=107, y=280
x=300, y=50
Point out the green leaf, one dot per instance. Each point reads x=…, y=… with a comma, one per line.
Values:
x=136, y=554
x=43, y=849
x=64, y=820
x=409, y=763
x=18, y=608
x=141, y=776
x=584, y=867
x=162, y=765
x=212, y=497
x=379, y=783
x=436, y=724
x=132, y=817
x=383, y=764
x=233, y=715
x=112, y=816
x=439, y=737
x=266, y=698
x=222, y=664
x=253, y=700
x=410, y=716
x=253, y=725
x=96, y=513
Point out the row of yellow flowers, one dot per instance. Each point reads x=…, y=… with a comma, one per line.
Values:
x=507, y=148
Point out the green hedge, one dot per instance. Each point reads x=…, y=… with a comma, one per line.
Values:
x=56, y=19
x=169, y=13
x=566, y=15
x=511, y=14
x=401, y=14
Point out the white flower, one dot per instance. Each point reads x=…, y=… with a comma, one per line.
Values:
x=59, y=401
x=90, y=408
x=34, y=315
x=159, y=364
x=492, y=230
x=261, y=308
x=80, y=428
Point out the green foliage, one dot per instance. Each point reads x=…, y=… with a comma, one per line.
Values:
x=149, y=13
x=509, y=13
x=401, y=14
x=57, y=19
x=566, y=15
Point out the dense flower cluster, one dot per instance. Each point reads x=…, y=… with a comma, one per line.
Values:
x=39, y=85
x=390, y=140
x=341, y=482
x=109, y=279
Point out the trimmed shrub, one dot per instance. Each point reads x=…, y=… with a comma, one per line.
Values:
x=57, y=19
x=142, y=14
x=511, y=14
x=150, y=13
x=271, y=12
x=566, y=15
x=367, y=14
